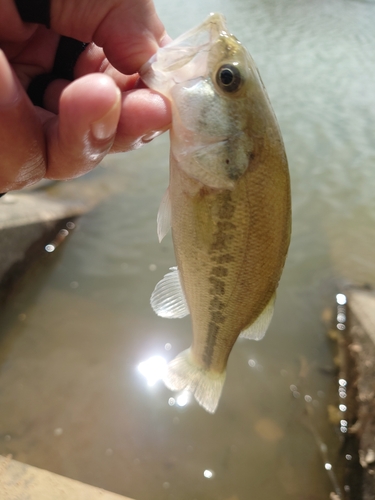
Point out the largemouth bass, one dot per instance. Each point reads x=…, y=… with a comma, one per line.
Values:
x=228, y=202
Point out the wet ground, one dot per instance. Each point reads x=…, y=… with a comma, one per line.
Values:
x=73, y=334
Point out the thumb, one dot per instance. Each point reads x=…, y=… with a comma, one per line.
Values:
x=84, y=131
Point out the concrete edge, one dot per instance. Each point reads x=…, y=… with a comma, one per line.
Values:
x=21, y=481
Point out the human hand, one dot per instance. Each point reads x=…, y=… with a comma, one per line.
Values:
x=103, y=110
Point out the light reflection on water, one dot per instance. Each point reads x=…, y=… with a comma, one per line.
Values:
x=153, y=369
x=209, y=474
x=72, y=343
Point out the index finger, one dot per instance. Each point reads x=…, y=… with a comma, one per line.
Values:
x=129, y=31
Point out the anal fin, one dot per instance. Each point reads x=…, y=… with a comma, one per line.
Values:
x=258, y=328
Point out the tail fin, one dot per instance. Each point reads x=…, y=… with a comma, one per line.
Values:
x=183, y=373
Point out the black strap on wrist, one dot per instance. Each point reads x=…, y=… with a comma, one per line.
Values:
x=37, y=88
x=67, y=54
x=34, y=11
x=68, y=50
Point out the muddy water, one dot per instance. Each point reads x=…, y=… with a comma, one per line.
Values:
x=71, y=395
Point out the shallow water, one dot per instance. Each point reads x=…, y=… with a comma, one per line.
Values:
x=72, y=399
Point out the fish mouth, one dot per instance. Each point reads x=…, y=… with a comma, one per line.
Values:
x=202, y=36
x=181, y=51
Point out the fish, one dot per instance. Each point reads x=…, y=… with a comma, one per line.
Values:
x=228, y=202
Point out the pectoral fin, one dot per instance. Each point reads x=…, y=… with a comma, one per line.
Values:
x=257, y=330
x=219, y=164
x=226, y=161
x=168, y=299
x=164, y=216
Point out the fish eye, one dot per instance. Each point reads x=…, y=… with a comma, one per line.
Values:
x=228, y=78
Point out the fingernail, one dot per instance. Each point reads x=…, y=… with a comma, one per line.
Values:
x=165, y=40
x=151, y=135
x=9, y=91
x=106, y=127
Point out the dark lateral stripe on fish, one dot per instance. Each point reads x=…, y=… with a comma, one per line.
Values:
x=213, y=330
x=221, y=258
